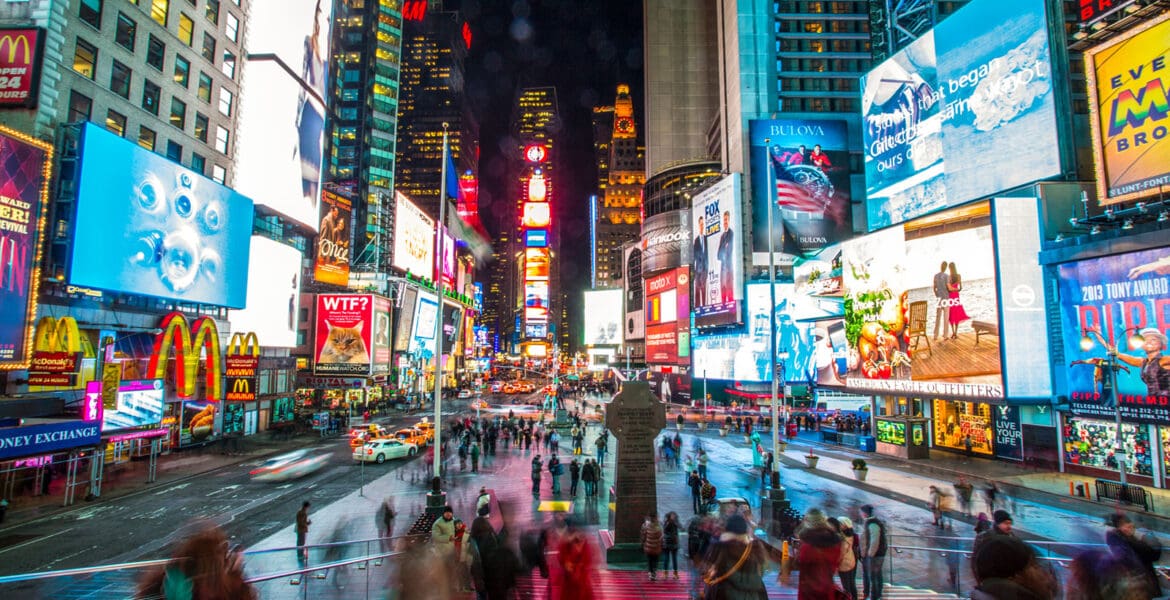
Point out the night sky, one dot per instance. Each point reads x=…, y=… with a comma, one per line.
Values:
x=584, y=49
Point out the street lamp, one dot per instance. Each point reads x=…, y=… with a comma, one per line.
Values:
x=1111, y=367
x=778, y=373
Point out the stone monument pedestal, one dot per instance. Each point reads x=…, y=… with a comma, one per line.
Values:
x=773, y=506
x=436, y=498
x=635, y=417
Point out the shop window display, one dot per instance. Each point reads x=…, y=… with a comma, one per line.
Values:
x=1089, y=443
x=954, y=421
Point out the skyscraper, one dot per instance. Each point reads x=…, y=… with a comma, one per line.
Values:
x=619, y=214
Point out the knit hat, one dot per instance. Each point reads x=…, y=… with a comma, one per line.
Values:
x=736, y=524
x=814, y=516
x=1000, y=516
x=846, y=522
x=1001, y=557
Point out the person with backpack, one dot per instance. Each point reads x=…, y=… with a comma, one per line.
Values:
x=555, y=469
x=670, y=529
x=874, y=543
x=736, y=564
x=652, y=542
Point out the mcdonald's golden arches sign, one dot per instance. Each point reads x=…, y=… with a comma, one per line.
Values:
x=242, y=363
x=189, y=342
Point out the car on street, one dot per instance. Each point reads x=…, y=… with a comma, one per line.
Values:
x=464, y=394
x=496, y=387
x=410, y=435
x=380, y=451
x=291, y=465
x=428, y=430
x=510, y=389
x=361, y=435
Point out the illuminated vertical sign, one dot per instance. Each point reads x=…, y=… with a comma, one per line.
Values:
x=25, y=166
x=20, y=66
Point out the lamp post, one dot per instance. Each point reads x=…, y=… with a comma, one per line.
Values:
x=1111, y=366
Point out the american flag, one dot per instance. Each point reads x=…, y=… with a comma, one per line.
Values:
x=792, y=195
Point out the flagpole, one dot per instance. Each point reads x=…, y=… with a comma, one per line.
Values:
x=770, y=194
x=438, y=443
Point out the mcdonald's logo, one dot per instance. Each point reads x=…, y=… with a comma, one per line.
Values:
x=57, y=335
x=243, y=344
x=14, y=41
x=177, y=333
x=241, y=390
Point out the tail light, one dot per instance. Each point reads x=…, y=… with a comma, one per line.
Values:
x=369, y=451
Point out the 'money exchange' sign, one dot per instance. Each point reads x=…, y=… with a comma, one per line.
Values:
x=48, y=437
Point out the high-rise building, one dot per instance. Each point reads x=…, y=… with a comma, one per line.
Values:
x=602, y=135
x=893, y=25
x=430, y=93
x=363, y=95
x=618, y=217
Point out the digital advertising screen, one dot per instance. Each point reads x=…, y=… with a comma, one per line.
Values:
x=635, y=307
x=1128, y=83
x=965, y=111
x=404, y=319
x=670, y=388
x=414, y=238
x=333, y=243
x=809, y=163
x=921, y=307
x=536, y=214
x=1026, y=372
x=140, y=406
x=1119, y=302
x=830, y=353
x=279, y=139
x=145, y=225
x=536, y=238
x=425, y=313
x=717, y=252
x=668, y=318
x=274, y=294
x=536, y=298
x=197, y=420
x=666, y=241
x=603, y=317
x=283, y=410
x=819, y=284
x=452, y=326
x=536, y=264
x=381, y=338
x=344, y=334
x=25, y=166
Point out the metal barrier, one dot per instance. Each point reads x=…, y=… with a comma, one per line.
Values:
x=1124, y=492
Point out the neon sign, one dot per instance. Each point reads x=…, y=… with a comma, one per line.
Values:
x=177, y=333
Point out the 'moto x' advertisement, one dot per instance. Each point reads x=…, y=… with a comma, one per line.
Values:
x=1118, y=305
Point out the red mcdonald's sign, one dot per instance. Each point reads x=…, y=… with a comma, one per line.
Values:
x=176, y=333
x=20, y=59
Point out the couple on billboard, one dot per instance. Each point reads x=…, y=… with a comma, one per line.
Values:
x=724, y=263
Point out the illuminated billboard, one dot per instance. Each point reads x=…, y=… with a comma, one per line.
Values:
x=536, y=264
x=425, y=313
x=140, y=405
x=145, y=225
x=536, y=238
x=966, y=110
x=744, y=356
x=404, y=318
x=452, y=326
x=333, y=243
x=274, y=292
x=717, y=252
x=25, y=166
x=668, y=317
x=414, y=238
x=666, y=241
x=1120, y=303
x=922, y=307
x=635, y=307
x=279, y=139
x=20, y=64
x=1128, y=107
x=809, y=163
x=536, y=299
x=537, y=187
x=536, y=153
x=536, y=214
x=603, y=317
x=352, y=335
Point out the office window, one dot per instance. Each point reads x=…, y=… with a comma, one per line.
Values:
x=90, y=12
x=127, y=32
x=85, y=58
x=209, y=47
x=146, y=137
x=225, y=102
x=211, y=11
x=229, y=65
x=186, y=29
x=201, y=124
x=150, y=96
x=158, y=11
x=204, y=91
x=232, y=27
x=178, y=113
x=198, y=162
x=174, y=151
x=116, y=122
x=221, y=139
x=218, y=174
x=182, y=70
x=80, y=106
x=156, y=52
x=120, y=79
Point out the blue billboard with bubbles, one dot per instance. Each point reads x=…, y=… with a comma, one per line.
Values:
x=965, y=111
x=145, y=225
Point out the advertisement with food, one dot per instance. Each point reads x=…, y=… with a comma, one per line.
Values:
x=1128, y=86
x=717, y=252
x=1118, y=304
x=152, y=227
x=964, y=111
x=197, y=422
x=24, y=178
x=809, y=163
x=344, y=334
x=921, y=307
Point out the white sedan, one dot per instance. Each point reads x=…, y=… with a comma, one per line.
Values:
x=380, y=450
x=464, y=394
x=291, y=465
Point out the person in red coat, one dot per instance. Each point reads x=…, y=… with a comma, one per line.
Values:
x=578, y=562
x=818, y=557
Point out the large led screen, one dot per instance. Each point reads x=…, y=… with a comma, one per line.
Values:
x=1128, y=86
x=332, y=264
x=140, y=405
x=282, y=115
x=148, y=226
x=717, y=254
x=425, y=313
x=536, y=264
x=668, y=318
x=536, y=298
x=1026, y=372
x=921, y=307
x=536, y=215
x=1119, y=302
x=452, y=326
x=404, y=319
x=635, y=314
x=809, y=164
x=963, y=112
x=274, y=292
x=603, y=317
x=352, y=334
x=414, y=239
x=24, y=182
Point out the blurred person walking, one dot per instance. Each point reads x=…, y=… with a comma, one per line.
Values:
x=670, y=530
x=850, y=550
x=1007, y=569
x=1138, y=554
x=385, y=523
x=818, y=556
x=874, y=543
x=698, y=544
x=302, y=529
x=578, y=561
x=204, y=567
x=652, y=541
x=736, y=564
x=537, y=467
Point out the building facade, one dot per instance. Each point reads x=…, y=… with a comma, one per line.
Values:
x=619, y=214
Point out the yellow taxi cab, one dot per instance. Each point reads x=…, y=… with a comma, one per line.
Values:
x=410, y=435
x=428, y=430
x=510, y=389
x=361, y=435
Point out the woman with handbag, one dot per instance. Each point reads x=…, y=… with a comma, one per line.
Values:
x=737, y=562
